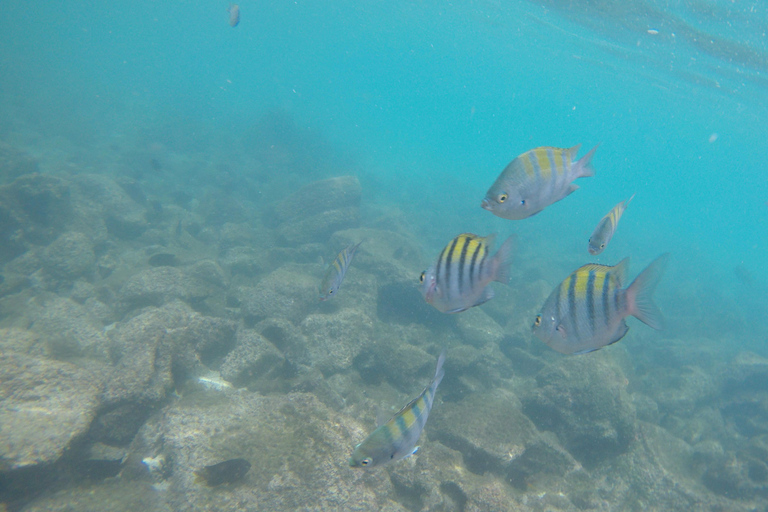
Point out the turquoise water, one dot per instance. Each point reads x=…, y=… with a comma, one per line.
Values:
x=426, y=102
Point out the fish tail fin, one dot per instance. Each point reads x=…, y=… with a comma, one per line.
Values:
x=583, y=167
x=640, y=293
x=503, y=259
x=439, y=372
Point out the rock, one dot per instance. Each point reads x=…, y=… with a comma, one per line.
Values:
x=34, y=209
x=18, y=340
x=69, y=256
x=505, y=442
x=151, y=351
x=584, y=401
x=287, y=337
x=123, y=217
x=67, y=330
x=335, y=340
x=318, y=209
x=298, y=449
x=285, y=293
x=479, y=329
x=110, y=495
x=391, y=358
x=245, y=261
x=160, y=285
x=46, y=406
x=253, y=359
x=14, y=163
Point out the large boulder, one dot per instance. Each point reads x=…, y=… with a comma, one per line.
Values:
x=45, y=405
x=584, y=401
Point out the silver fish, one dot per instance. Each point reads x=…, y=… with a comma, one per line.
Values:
x=397, y=438
x=535, y=180
x=459, y=279
x=587, y=311
x=234, y=15
x=336, y=272
x=606, y=228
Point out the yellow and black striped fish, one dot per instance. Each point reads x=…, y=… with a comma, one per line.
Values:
x=397, y=438
x=606, y=228
x=535, y=180
x=336, y=272
x=459, y=279
x=587, y=311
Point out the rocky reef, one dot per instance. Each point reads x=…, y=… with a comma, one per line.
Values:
x=146, y=333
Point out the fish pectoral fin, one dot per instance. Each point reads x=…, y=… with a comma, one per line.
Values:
x=562, y=332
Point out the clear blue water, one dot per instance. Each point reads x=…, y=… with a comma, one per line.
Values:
x=427, y=102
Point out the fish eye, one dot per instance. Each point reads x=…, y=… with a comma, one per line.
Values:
x=502, y=197
x=522, y=202
x=330, y=292
x=421, y=277
x=602, y=246
x=366, y=461
x=537, y=322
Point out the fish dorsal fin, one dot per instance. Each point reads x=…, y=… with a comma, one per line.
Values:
x=621, y=271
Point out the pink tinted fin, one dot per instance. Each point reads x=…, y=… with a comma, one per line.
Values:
x=621, y=270
x=502, y=260
x=583, y=168
x=640, y=293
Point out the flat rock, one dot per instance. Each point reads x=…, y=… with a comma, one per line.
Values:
x=45, y=405
x=69, y=256
x=67, y=329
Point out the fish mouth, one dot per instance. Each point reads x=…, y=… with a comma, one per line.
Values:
x=485, y=205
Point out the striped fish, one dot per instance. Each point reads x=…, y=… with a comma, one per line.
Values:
x=459, y=279
x=336, y=271
x=606, y=228
x=587, y=311
x=535, y=180
x=397, y=438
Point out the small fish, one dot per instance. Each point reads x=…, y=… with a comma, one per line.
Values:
x=336, y=271
x=397, y=438
x=459, y=279
x=234, y=15
x=535, y=180
x=587, y=311
x=215, y=382
x=606, y=228
x=227, y=472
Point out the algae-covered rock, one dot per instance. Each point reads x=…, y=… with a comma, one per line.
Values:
x=285, y=293
x=124, y=218
x=298, y=449
x=318, y=209
x=150, y=351
x=34, y=209
x=253, y=358
x=584, y=401
x=335, y=340
x=479, y=329
x=69, y=256
x=68, y=330
x=45, y=406
x=160, y=285
x=505, y=442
